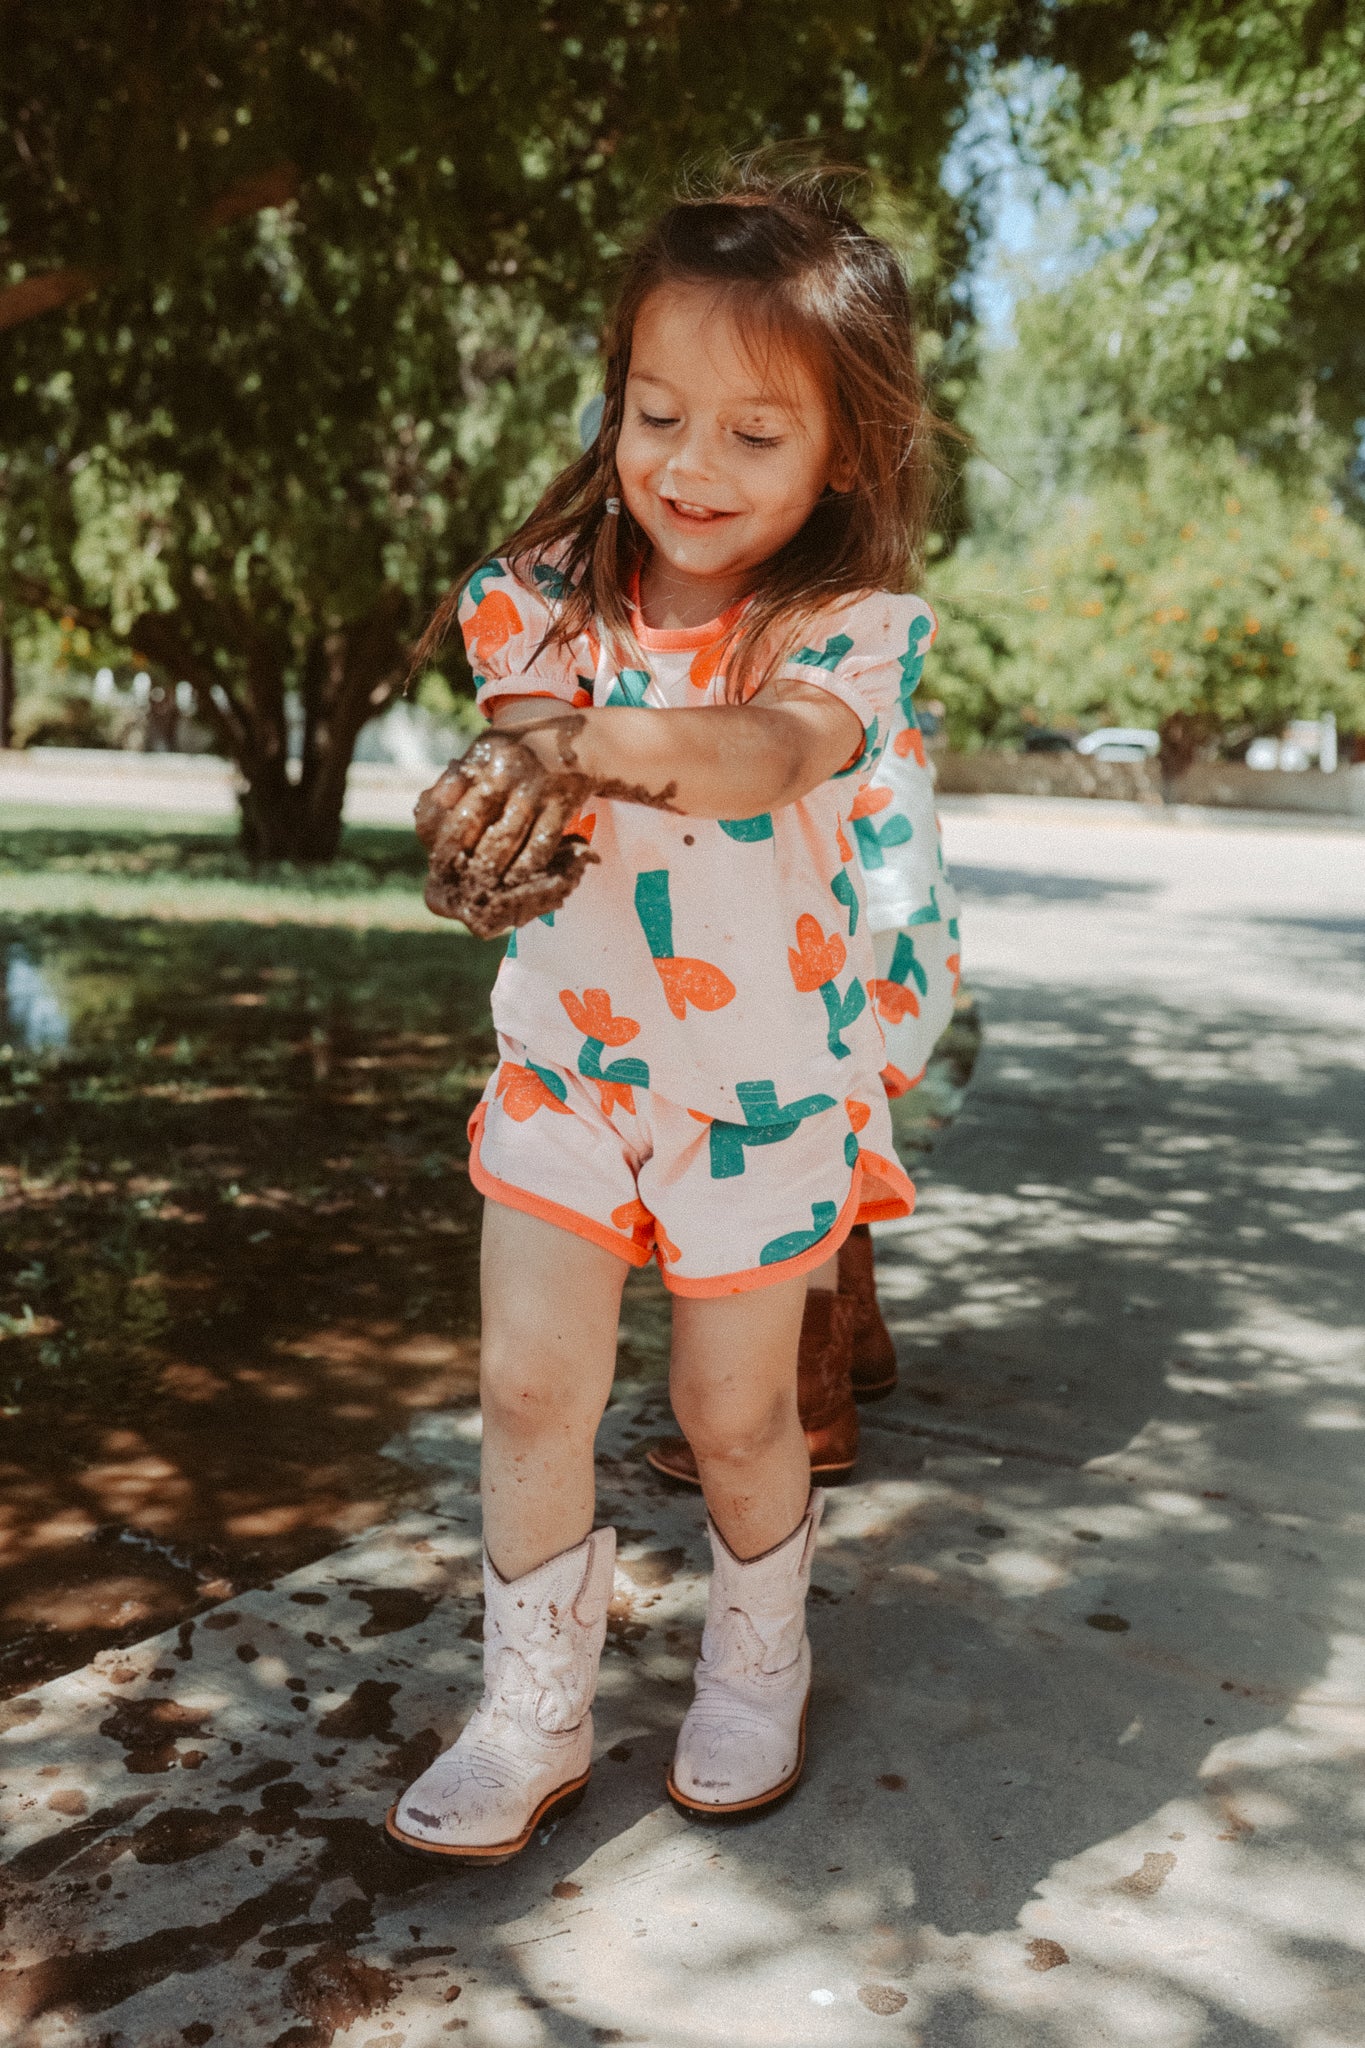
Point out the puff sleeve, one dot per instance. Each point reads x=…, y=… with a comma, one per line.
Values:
x=869, y=652
x=504, y=617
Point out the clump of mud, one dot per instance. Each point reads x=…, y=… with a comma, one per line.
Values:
x=493, y=826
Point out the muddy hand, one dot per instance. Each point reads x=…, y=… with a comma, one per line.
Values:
x=493, y=825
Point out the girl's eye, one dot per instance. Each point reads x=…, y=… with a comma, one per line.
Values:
x=761, y=440
x=649, y=419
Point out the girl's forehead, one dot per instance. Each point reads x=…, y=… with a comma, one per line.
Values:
x=691, y=337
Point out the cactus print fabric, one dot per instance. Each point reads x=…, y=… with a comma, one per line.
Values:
x=723, y=1205
x=729, y=967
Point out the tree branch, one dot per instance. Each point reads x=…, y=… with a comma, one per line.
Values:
x=47, y=290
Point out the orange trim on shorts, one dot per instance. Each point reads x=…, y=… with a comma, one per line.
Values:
x=785, y=1269
x=887, y=1206
x=549, y=1212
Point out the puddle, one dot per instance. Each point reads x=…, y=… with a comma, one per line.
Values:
x=35, y=1016
x=240, y=1246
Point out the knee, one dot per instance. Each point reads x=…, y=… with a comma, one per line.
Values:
x=521, y=1401
x=735, y=1427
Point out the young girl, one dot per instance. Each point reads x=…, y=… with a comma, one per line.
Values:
x=690, y=1064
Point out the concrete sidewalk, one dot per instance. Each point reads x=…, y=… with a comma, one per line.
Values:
x=1090, y=1701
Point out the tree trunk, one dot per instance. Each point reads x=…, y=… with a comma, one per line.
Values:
x=6, y=689
x=297, y=821
x=1184, y=736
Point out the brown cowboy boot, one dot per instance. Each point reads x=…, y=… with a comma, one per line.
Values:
x=824, y=1397
x=874, y=1353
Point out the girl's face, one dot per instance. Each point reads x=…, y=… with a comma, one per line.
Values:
x=721, y=456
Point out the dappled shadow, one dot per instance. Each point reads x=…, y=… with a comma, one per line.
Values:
x=1090, y=1698
x=1004, y=885
x=241, y=1250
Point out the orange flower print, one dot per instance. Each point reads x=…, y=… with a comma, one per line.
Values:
x=592, y=1015
x=845, y=850
x=616, y=1095
x=910, y=740
x=496, y=621
x=524, y=1090
x=705, y=662
x=633, y=1217
x=858, y=1113
x=894, y=1001
x=897, y=1083
x=869, y=801
x=582, y=825
x=696, y=982
x=814, y=958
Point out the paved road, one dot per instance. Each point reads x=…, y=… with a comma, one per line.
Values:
x=1090, y=1707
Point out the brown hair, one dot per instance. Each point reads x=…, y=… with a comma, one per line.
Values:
x=799, y=272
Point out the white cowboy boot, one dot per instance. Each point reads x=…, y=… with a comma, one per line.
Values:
x=743, y=1742
x=526, y=1752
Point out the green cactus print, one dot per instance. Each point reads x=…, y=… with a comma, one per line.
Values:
x=929, y=913
x=748, y=830
x=550, y=581
x=873, y=843
x=654, y=908
x=629, y=688
x=912, y=665
x=556, y=1084
x=480, y=580
x=767, y=1122
x=905, y=966
x=869, y=757
x=835, y=650
x=851, y=1149
x=842, y=1011
x=843, y=891
x=822, y=1215
x=627, y=1073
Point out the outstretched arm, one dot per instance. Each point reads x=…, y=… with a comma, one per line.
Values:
x=726, y=761
x=494, y=822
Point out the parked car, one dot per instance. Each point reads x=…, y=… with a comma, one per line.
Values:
x=1120, y=743
x=1044, y=740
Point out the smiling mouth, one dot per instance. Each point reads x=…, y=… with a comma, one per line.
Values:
x=695, y=515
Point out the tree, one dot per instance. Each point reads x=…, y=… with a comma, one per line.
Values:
x=1220, y=190
x=300, y=303
x=1208, y=596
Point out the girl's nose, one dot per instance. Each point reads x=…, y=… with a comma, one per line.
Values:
x=688, y=463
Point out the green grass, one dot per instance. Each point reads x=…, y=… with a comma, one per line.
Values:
x=64, y=863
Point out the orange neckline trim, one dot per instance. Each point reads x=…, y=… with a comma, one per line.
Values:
x=679, y=639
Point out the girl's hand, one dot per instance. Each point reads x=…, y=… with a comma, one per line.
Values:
x=493, y=825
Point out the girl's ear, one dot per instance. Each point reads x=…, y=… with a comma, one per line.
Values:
x=843, y=475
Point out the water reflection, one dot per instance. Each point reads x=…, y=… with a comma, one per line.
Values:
x=37, y=1018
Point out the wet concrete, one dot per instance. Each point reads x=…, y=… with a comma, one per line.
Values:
x=1090, y=1696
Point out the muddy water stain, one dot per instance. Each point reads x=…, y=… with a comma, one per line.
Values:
x=333, y=1988
x=148, y=1731
x=366, y=1715
x=393, y=1608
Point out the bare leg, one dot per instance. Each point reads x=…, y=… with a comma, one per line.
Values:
x=551, y=1303
x=733, y=1383
x=825, y=1279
